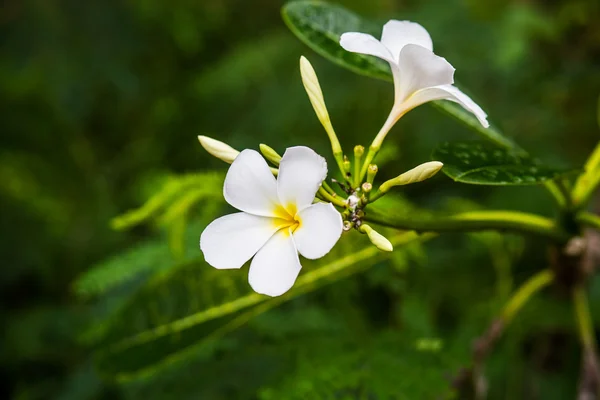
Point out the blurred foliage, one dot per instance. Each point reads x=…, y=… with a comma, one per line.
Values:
x=101, y=104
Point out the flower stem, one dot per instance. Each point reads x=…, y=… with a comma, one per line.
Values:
x=328, y=188
x=331, y=198
x=376, y=144
x=472, y=221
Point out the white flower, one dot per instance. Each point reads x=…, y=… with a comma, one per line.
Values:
x=278, y=219
x=419, y=75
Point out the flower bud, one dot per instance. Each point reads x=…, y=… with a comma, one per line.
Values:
x=417, y=174
x=346, y=165
x=313, y=89
x=377, y=238
x=270, y=154
x=218, y=149
x=371, y=172
x=359, y=151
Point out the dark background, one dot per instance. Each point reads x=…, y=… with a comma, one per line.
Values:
x=101, y=99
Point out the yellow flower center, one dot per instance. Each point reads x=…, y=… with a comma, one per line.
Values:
x=287, y=218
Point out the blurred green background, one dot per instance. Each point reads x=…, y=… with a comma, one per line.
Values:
x=101, y=103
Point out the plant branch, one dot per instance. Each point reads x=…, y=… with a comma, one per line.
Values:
x=524, y=293
x=559, y=192
x=484, y=344
x=584, y=319
x=332, y=198
x=589, y=219
x=589, y=383
x=472, y=221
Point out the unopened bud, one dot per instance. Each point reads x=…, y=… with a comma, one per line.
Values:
x=315, y=95
x=218, y=149
x=359, y=151
x=377, y=238
x=371, y=172
x=367, y=187
x=417, y=174
x=270, y=154
x=346, y=165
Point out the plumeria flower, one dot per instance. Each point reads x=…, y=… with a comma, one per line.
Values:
x=419, y=75
x=277, y=221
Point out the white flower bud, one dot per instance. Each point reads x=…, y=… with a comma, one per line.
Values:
x=218, y=149
x=315, y=95
x=377, y=238
x=417, y=174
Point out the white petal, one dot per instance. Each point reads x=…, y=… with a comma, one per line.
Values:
x=447, y=92
x=301, y=172
x=250, y=185
x=363, y=43
x=276, y=266
x=230, y=241
x=397, y=34
x=320, y=229
x=420, y=69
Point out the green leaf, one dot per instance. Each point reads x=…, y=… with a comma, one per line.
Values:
x=177, y=195
x=177, y=312
x=144, y=258
x=320, y=26
x=481, y=164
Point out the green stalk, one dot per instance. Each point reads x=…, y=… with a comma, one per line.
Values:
x=328, y=188
x=473, y=221
x=558, y=192
x=377, y=142
x=335, y=200
x=584, y=319
x=358, y=153
x=589, y=219
x=524, y=293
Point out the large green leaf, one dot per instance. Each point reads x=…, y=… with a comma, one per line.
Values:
x=482, y=164
x=320, y=25
x=177, y=312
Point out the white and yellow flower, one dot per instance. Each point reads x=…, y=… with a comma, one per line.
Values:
x=277, y=221
x=419, y=75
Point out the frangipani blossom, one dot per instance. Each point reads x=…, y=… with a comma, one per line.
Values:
x=277, y=221
x=419, y=75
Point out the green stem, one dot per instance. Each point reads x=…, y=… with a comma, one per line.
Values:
x=335, y=200
x=559, y=192
x=378, y=141
x=339, y=159
x=525, y=291
x=370, y=156
x=584, y=319
x=377, y=195
x=590, y=219
x=473, y=221
x=328, y=188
